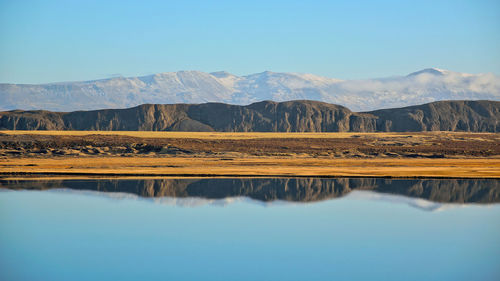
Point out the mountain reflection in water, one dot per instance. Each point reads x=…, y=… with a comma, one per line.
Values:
x=461, y=191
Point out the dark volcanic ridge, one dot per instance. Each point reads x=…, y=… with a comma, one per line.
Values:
x=266, y=116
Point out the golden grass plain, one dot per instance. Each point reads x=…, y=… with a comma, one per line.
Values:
x=258, y=166
x=234, y=135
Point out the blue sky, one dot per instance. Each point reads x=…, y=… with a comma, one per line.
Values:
x=48, y=41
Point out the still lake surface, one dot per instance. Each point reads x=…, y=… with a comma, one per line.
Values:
x=250, y=229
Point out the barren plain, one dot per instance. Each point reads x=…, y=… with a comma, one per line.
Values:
x=138, y=153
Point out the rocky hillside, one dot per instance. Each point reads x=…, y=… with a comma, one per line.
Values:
x=469, y=116
x=267, y=116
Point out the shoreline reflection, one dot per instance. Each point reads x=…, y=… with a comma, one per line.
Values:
x=459, y=191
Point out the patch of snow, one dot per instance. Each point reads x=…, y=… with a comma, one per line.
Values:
x=419, y=87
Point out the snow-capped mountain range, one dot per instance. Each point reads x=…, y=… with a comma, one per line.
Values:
x=423, y=86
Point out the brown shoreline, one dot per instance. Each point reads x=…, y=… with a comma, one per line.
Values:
x=83, y=176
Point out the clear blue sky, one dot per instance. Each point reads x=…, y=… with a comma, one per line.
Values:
x=47, y=41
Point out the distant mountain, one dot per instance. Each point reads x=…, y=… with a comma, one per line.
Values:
x=423, y=86
x=267, y=116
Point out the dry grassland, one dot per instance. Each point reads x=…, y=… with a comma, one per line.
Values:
x=259, y=166
x=432, y=154
x=232, y=135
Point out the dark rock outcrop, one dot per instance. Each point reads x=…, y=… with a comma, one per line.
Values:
x=267, y=116
x=469, y=116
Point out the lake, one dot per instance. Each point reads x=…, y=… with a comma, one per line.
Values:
x=250, y=229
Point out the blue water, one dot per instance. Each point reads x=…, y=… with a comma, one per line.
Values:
x=88, y=235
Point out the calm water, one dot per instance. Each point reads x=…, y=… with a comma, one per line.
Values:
x=250, y=229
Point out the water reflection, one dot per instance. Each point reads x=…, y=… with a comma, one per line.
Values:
x=373, y=233
x=462, y=191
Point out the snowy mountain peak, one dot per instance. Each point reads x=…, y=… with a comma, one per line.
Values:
x=427, y=85
x=432, y=71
